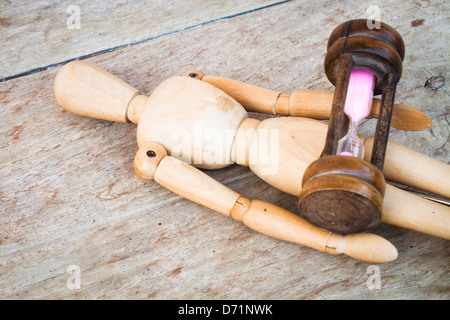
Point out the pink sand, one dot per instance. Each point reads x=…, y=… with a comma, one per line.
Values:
x=359, y=95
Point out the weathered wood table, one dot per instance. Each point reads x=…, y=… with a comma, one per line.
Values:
x=77, y=223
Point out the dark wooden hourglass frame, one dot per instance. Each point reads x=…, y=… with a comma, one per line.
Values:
x=340, y=193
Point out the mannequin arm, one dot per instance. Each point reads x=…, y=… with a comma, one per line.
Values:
x=306, y=103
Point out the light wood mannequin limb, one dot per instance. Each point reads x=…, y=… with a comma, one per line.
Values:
x=406, y=210
x=306, y=103
x=192, y=184
x=182, y=178
x=411, y=168
x=271, y=220
x=281, y=224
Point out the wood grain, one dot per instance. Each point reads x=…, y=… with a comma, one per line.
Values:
x=37, y=34
x=69, y=194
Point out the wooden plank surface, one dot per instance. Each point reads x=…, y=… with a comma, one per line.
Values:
x=36, y=34
x=70, y=197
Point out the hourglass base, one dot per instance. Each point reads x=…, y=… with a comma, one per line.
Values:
x=342, y=194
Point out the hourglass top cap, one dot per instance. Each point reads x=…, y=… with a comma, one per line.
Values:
x=379, y=50
x=367, y=28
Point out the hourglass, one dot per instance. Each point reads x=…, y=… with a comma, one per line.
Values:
x=341, y=191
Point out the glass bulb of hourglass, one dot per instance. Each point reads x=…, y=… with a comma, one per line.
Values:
x=357, y=107
x=350, y=144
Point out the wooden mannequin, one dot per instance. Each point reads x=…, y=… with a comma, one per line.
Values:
x=181, y=107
